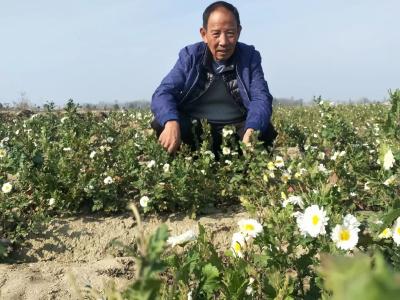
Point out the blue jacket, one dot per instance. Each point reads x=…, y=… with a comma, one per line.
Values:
x=182, y=78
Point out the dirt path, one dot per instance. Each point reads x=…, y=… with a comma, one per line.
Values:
x=81, y=247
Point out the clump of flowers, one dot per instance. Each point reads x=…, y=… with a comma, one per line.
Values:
x=313, y=221
x=345, y=236
x=248, y=229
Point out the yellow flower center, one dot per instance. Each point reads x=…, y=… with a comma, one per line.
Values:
x=237, y=247
x=344, y=235
x=385, y=232
x=398, y=230
x=315, y=220
x=249, y=227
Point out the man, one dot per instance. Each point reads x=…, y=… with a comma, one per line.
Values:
x=220, y=80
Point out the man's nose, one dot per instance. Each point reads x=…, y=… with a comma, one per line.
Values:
x=223, y=41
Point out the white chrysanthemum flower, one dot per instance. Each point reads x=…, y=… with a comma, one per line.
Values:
x=346, y=238
x=285, y=177
x=323, y=169
x=166, y=168
x=238, y=245
x=228, y=162
x=271, y=166
x=227, y=132
x=250, y=227
x=249, y=289
x=144, y=201
x=6, y=188
x=350, y=221
x=312, y=221
x=388, y=160
x=390, y=180
x=396, y=232
x=189, y=295
x=92, y=154
x=209, y=153
x=386, y=233
x=203, y=172
x=265, y=177
x=3, y=152
x=108, y=180
x=295, y=200
x=185, y=237
x=279, y=163
x=335, y=155
x=151, y=164
x=226, y=151
x=51, y=201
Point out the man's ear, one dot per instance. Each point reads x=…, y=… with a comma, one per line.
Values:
x=203, y=33
x=239, y=31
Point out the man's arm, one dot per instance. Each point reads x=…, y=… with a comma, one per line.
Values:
x=165, y=100
x=260, y=108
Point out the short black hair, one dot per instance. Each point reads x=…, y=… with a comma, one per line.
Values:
x=213, y=6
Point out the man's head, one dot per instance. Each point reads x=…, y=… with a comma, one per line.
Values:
x=221, y=29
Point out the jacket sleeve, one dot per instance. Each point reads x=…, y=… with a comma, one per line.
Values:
x=166, y=97
x=260, y=107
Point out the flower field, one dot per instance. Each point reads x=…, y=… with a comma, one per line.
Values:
x=330, y=186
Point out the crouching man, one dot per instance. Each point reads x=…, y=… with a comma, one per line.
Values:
x=220, y=80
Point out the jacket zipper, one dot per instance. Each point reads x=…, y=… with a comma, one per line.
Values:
x=195, y=81
x=203, y=92
x=244, y=87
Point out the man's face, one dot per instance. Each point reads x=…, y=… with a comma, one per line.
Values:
x=222, y=33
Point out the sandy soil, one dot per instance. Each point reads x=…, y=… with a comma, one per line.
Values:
x=81, y=247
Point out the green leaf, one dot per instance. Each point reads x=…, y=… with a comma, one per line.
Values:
x=210, y=279
x=157, y=242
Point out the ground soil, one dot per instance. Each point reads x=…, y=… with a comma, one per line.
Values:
x=78, y=252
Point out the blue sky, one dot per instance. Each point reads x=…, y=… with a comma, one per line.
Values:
x=95, y=50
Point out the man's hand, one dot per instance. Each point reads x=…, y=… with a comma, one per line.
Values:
x=170, y=137
x=247, y=135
